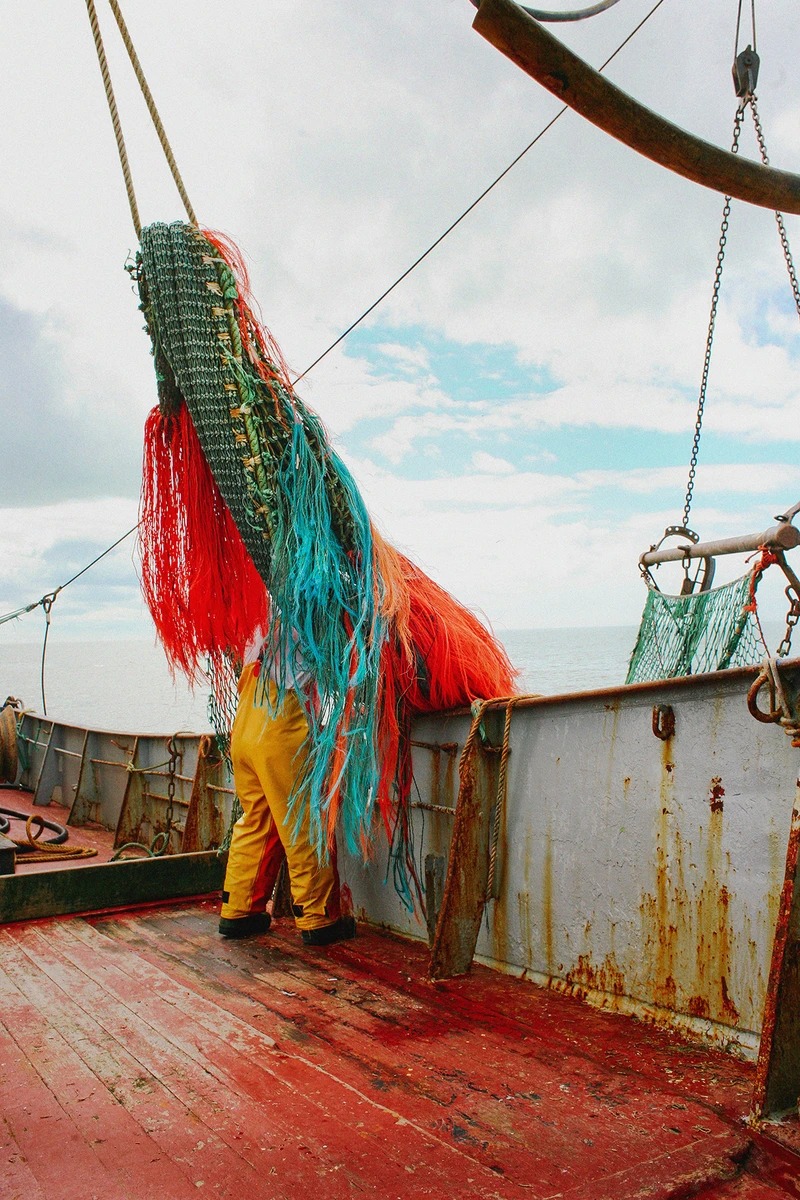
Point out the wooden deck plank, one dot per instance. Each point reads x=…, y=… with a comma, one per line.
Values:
x=135, y=1127
x=583, y=1097
x=241, y=1124
x=312, y=1086
x=430, y=1095
x=37, y=1112
x=303, y=1100
x=481, y=1114
x=266, y=1069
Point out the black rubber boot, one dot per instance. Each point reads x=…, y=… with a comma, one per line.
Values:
x=340, y=931
x=242, y=927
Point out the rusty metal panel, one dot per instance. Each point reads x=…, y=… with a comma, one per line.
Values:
x=59, y=774
x=459, y=920
x=641, y=870
x=777, y=1085
x=144, y=809
x=103, y=776
x=211, y=802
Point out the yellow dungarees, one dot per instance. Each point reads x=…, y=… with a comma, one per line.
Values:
x=268, y=751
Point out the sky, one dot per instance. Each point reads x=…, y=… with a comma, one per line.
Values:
x=519, y=412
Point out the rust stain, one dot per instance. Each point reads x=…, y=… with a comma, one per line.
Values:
x=524, y=906
x=699, y=1007
x=499, y=931
x=608, y=976
x=547, y=900
x=687, y=933
x=436, y=777
x=449, y=794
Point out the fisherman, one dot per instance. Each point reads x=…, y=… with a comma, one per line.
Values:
x=269, y=748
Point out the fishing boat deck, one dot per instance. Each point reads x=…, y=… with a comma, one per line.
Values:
x=90, y=836
x=142, y=1055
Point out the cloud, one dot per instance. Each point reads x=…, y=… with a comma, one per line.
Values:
x=489, y=464
x=335, y=146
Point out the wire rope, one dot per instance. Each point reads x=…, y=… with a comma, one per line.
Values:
x=468, y=209
x=47, y=600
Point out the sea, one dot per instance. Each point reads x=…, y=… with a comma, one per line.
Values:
x=127, y=685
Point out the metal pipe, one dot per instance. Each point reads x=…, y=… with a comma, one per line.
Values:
x=782, y=537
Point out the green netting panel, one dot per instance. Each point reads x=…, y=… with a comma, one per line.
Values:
x=689, y=635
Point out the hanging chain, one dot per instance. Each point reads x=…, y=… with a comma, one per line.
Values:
x=793, y=614
x=171, y=769
x=749, y=98
x=792, y=617
x=787, y=253
x=723, y=238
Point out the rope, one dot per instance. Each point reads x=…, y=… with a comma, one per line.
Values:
x=465, y=764
x=151, y=108
x=502, y=793
x=48, y=600
x=112, y=108
x=12, y=616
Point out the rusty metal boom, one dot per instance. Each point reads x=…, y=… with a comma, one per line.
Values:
x=542, y=56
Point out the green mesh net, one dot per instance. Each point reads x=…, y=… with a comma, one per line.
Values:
x=689, y=635
x=222, y=701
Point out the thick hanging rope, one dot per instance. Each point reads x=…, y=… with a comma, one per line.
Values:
x=151, y=107
x=115, y=121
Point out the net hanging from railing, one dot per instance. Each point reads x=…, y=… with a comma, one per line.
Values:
x=694, y=634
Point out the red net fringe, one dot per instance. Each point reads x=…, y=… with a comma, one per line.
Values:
x=199, y=582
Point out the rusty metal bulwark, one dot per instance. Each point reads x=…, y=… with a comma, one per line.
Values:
x=778, y=1075
x=641, y=871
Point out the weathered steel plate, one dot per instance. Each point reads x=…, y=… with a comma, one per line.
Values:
x=644, y=873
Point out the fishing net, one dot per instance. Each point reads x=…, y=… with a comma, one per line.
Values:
x=250, y=519
x=690, y=635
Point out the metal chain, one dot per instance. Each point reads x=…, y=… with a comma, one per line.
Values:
x=173, y=763
x=723, y=237
x=792, y=617
x=787, y=253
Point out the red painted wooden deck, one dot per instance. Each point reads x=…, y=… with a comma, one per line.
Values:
x=142, y=1056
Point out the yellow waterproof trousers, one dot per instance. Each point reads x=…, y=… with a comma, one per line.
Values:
x=268, y=751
